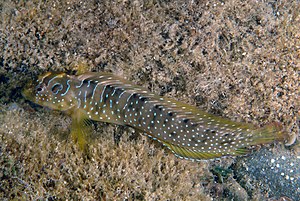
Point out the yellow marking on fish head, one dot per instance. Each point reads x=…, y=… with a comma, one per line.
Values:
x=52, y=90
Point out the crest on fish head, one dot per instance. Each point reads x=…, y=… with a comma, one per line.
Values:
x=52, y=90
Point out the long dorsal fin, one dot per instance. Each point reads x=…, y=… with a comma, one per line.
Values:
x=181, y=109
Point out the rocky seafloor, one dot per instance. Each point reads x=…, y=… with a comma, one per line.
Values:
x=235, y=59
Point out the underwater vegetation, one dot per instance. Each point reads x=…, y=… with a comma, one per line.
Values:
x=37, y=161
x=234, y=59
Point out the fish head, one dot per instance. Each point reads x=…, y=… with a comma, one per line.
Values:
x=51, y=90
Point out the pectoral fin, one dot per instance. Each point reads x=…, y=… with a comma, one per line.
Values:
x=81, y=128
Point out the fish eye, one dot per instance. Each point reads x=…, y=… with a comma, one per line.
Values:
x=56, y=88
x=40, y=88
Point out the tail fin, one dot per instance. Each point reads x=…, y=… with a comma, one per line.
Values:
x=268, y=134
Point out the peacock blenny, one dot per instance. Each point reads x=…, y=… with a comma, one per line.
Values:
x=187, y=131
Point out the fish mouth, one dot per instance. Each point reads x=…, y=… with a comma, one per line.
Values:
x=26, y=94
x=27, y=91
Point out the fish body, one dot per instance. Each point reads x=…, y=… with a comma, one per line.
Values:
x=187, y=131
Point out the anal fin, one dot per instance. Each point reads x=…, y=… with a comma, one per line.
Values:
x=186, y=153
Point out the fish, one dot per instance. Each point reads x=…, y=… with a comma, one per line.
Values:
x=187, y=131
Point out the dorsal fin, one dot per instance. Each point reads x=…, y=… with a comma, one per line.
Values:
x=182, y=110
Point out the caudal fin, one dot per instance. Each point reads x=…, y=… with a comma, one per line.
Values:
x=268, y=134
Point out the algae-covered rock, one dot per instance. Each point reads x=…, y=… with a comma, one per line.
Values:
x=237, y=59
x=275, y=173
